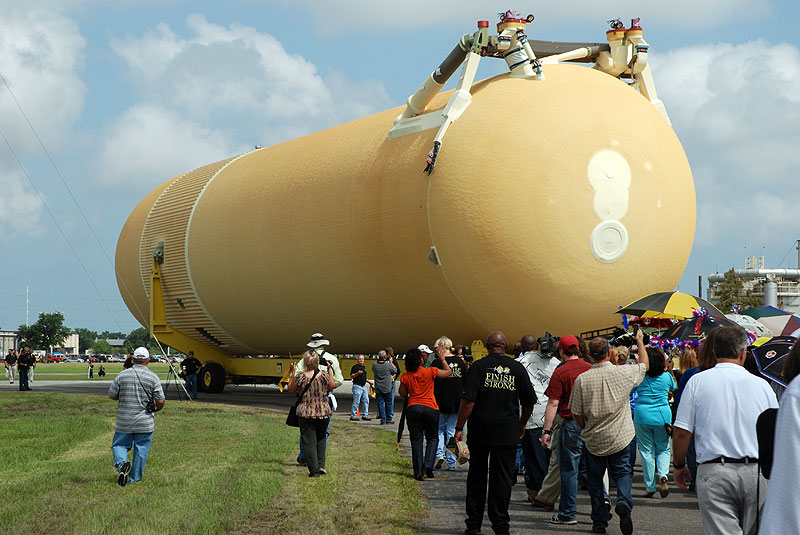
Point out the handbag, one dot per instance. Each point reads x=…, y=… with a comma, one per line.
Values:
x=292, y=419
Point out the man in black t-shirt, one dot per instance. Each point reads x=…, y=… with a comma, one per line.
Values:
x=494, y=389
x=190, y=367
x=11, y=361
x=23, y=365
x=358, y=373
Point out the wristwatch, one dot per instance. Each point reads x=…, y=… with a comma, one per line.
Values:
x=547, y=432
x=679, y=466
x=459, y=429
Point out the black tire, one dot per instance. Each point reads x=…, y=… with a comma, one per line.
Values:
x=212, y=377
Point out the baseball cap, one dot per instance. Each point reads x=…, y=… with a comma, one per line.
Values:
x=141, y=353
x=567, y=342
x=425, y=349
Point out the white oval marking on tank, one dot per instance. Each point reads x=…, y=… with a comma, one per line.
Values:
x=610, y=176
x=648, y=166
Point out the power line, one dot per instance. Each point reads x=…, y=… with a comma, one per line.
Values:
x=74, y=200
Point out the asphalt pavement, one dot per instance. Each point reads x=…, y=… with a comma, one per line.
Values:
x=676, y=514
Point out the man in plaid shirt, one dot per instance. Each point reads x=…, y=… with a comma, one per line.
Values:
x=134, y=388
x=601, y=407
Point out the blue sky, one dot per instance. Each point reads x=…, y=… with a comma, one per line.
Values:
x=127, y=94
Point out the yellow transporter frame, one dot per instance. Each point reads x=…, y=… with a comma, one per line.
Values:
x=220, y=368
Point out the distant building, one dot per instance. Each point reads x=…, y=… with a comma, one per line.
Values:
x=8, y=340
x=779, y=288
x=116, y=343
x=70, y=346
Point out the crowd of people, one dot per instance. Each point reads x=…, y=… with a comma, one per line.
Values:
x=578, y=414
x=572, y=412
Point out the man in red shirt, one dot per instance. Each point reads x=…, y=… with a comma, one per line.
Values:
x=570, y=444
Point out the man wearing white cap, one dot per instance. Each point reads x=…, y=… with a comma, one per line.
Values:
x=428, y=354
x=318, y=343
x=140, y=396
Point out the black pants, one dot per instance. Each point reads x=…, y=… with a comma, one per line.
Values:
x=423, y=420
x=313, y=432
x=498, y=463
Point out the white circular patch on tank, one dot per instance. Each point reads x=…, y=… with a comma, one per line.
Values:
x=609, y=240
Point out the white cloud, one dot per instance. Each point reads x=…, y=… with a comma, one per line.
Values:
x=20, y=208
x=232, y=87
x=41, y=53
x=346, y=15
x=149, y=144
x=736, y=109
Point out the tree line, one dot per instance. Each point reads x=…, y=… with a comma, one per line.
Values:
x=49, y=331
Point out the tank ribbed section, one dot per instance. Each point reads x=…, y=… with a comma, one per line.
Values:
x=168, y=222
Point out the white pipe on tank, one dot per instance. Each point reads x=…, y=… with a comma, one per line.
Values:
x=755, y=273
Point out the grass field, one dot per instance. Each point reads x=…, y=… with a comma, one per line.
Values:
x=75, y=371
x=212, y=470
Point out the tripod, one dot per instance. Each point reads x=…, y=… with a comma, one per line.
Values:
x=172, y=375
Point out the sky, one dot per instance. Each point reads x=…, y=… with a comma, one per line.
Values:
x=102, y=101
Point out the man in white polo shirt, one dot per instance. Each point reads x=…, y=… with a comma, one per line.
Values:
x=720, y=407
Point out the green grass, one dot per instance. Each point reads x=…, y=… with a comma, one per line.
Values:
x=74, y=371
x=209, y=467
x=212, y=469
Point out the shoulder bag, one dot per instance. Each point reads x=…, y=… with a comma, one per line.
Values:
x=291, y=419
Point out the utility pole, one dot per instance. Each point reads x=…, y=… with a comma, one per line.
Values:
x=27, y=305
x=700, y=286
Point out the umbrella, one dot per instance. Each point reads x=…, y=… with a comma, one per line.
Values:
x=749, y=324
x=677, y=305
x=760, y=312
x=786, y=325
x=695, y=328
x=769, y=357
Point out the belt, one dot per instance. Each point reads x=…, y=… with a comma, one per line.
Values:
x=726, y=460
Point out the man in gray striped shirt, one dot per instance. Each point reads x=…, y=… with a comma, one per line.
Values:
x=134, y=388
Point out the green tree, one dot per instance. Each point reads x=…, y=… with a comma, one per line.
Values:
x=138, y=338
x=102, y=347
x=48, y=331
x=731, y=291
x=85, y=338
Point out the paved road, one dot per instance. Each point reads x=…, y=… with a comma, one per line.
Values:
x=675, y=515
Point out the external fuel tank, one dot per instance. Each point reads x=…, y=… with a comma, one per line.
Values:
x=552, y=203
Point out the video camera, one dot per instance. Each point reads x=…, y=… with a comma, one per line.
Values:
x=547, y=345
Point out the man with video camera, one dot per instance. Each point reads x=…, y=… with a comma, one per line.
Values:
x=140, y=396
x=540, y=366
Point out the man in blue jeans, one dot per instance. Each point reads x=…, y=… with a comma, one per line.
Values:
x=134, y=388
x=383, y=371
x=190, y=368
x=601, y=408
x=358, y=373
x=570, y=445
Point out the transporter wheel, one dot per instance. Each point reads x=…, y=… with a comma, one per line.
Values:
x=212, y=377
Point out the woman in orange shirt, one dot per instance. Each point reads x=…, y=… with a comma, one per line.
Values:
x=422, y=412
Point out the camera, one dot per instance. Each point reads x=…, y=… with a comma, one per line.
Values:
x=151, y=406
x=547, y=345
x=323, y=361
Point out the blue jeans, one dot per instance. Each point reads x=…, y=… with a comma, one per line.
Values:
x=360, y=397
x=191, y=385
x=447, y=428
x=570, y=447
x=618, y=465
x=391, y=405
x=385, y=402
x=23, y=378
x=121, y=445
x=535, y=458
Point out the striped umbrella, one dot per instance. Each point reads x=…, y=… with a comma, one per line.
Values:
x=671, y=305
x=786, y=325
